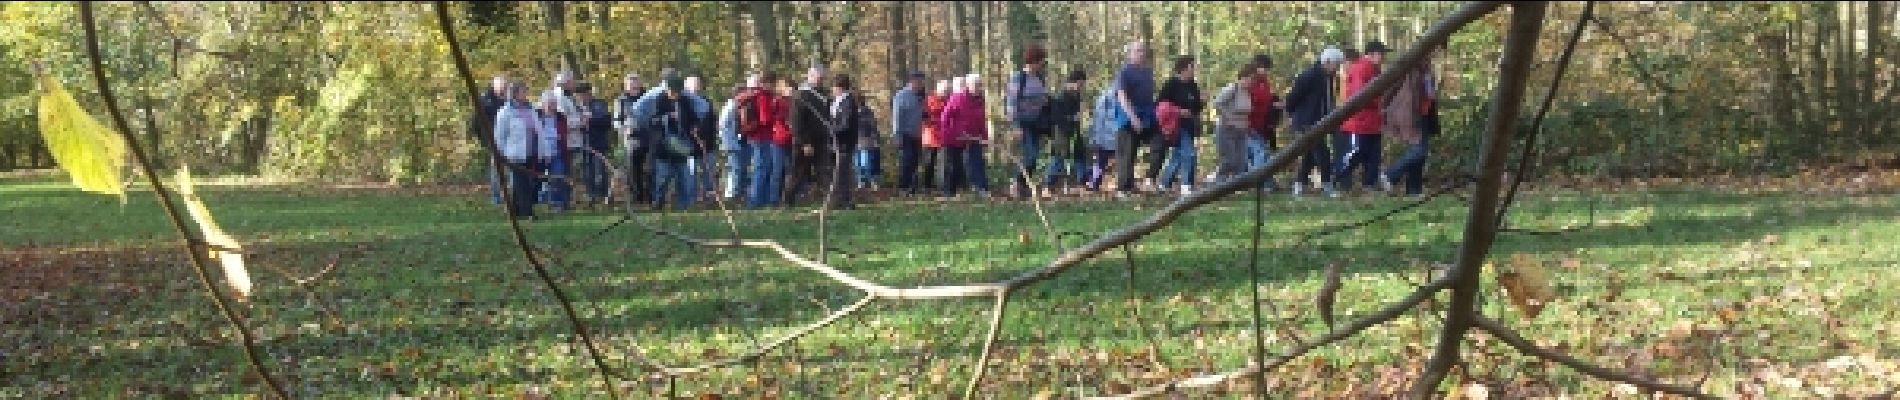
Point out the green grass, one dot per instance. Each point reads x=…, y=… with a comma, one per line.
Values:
x=433, y=299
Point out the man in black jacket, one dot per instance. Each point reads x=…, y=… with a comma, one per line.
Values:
x=672, y=125
x=483, y=124
x=810, y=133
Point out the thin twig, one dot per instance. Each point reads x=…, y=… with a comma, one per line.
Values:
x=1279, y=162
x=989, y=344
x=1253, y=286
x=1537, y=122
x=521, y=238
x=1481, y=227
x=1388, y=313
x=1510, y=337
x=198, y=261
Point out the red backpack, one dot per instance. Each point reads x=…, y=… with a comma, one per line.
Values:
x=1169, y=116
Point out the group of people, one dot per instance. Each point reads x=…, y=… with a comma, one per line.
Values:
x=778, y=140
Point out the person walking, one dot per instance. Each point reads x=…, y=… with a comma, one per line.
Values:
x=1026, y=105
x=811, y=133
x=1182, y=91
x=1267, y=111
x=1362, y=130
x=1068, y=148
x=733, y=143
x=483, y=122
x=1135, y=90
x=1233, y=106
x=907, y=129
x=673, y=123
x=932, y=170
x=517, y=129
x=1413, y=117
x=1309, y=100
x=633, y=133
x=762, y=131
x=845, y=113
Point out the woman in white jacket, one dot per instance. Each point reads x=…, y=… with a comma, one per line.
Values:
x=517, y=128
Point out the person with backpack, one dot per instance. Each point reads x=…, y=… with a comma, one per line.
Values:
x=517, y=130
x=1068, y=149
x=633, y=132
x=1182, y=92
x=844, y=114
x=763, y=132
x=908, y=128
x=1026, y=104
x=672, y=123
x=1234, y=105
x=1309, y=100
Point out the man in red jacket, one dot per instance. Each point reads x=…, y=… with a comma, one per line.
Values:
x=1361, y=130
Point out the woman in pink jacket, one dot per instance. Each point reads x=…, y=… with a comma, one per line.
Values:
x=965, y=134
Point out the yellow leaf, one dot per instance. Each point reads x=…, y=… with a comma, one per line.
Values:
x=1527, y=285
x=222, y=248
x=84, y=148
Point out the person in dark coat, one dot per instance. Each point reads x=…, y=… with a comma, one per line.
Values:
x=811, y=134
x=1310, y=99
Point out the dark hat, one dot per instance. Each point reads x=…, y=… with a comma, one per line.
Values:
x=1376, y=47
x=583, y=88
x=672, y=80
x=1078, y=76
x=1262, y=60
x=916, y=74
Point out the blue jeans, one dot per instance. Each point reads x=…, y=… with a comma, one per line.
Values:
x=1180, y=165
x=1259, y=152
x=700, y=168
x=1075, y=167
x=1410, y=169
x=556, y=189
x=867, y=162
x=953, y=174
x=674, y=176
x=974, y=168
x=738, y=171
x=1029, y=144
x=1363, y=151
x=768, y=173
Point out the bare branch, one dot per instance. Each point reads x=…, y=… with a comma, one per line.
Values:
x=521, y=238
x=1517, y=341
x=1388, y=313
x=1481, y=228
x=989, y=344
x=198, y=261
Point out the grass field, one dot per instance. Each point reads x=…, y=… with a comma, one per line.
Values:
x=1757, y=289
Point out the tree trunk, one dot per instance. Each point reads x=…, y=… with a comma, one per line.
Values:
x=961, y=35
x=735, y=16
x=554, y=14
x=894, y=33
x=765, y=32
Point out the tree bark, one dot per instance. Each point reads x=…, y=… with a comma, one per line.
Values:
x=765, y=31
x=1481, y=227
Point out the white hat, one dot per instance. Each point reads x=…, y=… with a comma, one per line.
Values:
x=1331, y=54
